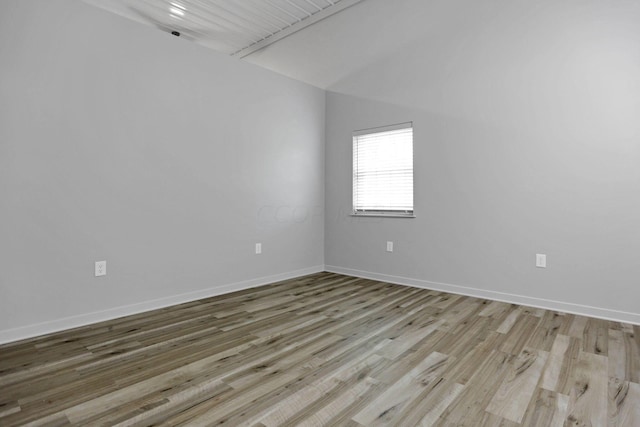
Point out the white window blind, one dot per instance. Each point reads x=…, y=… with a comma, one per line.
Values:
x=383, y=170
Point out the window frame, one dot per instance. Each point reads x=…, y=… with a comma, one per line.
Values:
x=387, y=213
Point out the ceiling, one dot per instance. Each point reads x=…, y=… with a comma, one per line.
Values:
x=336, y=54
x=400, y=49
x=329, y=53
x=234, y=27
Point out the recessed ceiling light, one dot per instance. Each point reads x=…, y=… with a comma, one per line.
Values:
x=176, y=9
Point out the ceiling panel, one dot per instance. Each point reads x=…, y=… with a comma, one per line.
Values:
x=234, y=27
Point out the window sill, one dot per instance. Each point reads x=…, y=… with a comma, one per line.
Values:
x=384, y=215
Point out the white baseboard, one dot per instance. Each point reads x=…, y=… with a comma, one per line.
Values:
x=584, y=310
x=23, y=332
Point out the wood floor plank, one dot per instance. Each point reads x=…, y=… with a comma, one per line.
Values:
x=460, y=342
x=519, y=334
x=432, y=405
x=491, y=308
x=596, y=337
x=553, y=368
x=466, y=364
x=328, y=349
x=513, y=397
x=340, y=402
x=469, y=406
x=546, y=408
x=491, y=420
x=618, y=368
x=624, y=403
x=389, y=405
x=510, y=320
x=589, y=395
x=577, y=326
x=552, y=324
x=632, y=354
x=287, y=408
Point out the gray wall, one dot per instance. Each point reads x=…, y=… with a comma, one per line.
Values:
x=527, y=140
x=168, y=160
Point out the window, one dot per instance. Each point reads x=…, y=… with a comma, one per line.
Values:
x=383, y=171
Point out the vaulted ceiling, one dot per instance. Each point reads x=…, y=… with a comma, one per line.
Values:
x=235, y=27
x=369, y=46
x=339, y=38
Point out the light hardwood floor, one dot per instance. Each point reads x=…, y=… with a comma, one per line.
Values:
x=328, y=349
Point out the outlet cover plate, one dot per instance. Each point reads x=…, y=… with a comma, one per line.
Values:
x=101, y=268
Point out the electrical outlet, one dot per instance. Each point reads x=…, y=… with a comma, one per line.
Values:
x=389, y=246
x=258, y=248
x=541, y=260
x=101, y=268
